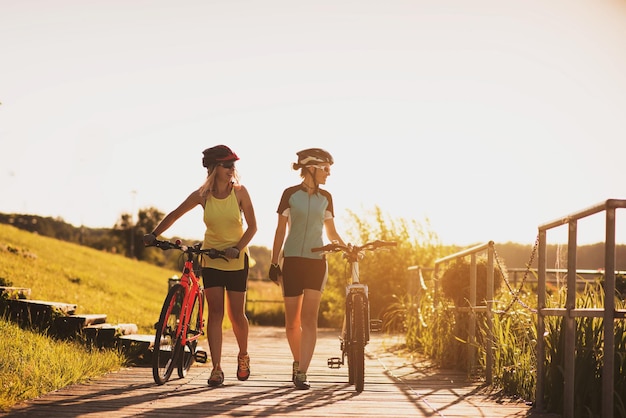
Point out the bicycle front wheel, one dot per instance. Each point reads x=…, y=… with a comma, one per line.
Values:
x=193, y=318
x=356, y=351
x=166, y=343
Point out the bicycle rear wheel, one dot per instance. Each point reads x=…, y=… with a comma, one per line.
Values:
x=194, y=328
x=166, y=343
x=356, y=350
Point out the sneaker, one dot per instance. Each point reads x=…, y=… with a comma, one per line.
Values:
x=217, y=378
x=243, y=367
x=294, y=370
x=301, y=381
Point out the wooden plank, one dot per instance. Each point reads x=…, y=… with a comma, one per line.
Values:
x=119, y=329
x=126, y=329
x=66, y=308
x=145, y=338
x=137, y=347
x=70, y=326
x=90, y=319
x=395, y=385
x=107, y=335
x=37, y=313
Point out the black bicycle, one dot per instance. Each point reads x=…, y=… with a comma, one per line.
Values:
x=357, y=325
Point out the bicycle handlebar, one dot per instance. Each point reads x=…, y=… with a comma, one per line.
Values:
x=353, y=251
x=195, y=249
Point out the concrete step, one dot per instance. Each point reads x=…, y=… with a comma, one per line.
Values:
x=37, y=313
x=71, y=326
x=60, y=320
x=139, y=338
x=106, y=335
x=138, y=347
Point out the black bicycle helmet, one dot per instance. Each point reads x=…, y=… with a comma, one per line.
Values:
x=218, y=154
x=312, y=156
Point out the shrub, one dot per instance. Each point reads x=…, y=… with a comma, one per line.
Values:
x=455, y=282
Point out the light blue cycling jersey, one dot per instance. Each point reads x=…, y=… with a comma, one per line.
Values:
x=306, y=214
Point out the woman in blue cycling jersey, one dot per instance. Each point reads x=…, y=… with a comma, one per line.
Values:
x=305, y=211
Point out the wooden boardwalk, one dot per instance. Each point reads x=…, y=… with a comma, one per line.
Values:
x=395, y=386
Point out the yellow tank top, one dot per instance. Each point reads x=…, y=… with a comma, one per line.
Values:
x=224, y=228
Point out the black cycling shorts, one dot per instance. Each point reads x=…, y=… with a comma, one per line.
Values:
x=230, y=280
x=301, y=273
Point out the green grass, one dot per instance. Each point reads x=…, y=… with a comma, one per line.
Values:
x=32, y=364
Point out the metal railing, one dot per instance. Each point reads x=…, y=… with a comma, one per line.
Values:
x=569, y=313
x=554, y=275
x=473, y=308
x=416, y=286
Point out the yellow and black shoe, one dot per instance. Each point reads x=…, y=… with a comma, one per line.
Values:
x=217, y=378
x=301, y=381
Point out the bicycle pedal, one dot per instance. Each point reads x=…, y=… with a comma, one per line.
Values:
x=376, y=325
x=201, y=356
x=334, y=362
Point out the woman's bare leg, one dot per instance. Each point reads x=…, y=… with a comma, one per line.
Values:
x=215, y=301
x=308, y=315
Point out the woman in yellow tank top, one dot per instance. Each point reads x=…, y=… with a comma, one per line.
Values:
x=226, y=205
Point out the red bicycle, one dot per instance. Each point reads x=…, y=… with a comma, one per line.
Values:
x=181, y=323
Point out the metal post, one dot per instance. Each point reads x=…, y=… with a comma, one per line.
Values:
x=608, y=368
x=541, y=326
x=570, y=323
x=489, y=302
x=435, y=284
x=471, y=347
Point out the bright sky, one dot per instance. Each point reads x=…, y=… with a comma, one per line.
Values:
x=487, y=117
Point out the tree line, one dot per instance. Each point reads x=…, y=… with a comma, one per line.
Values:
x=386, y=273
x=125, y=237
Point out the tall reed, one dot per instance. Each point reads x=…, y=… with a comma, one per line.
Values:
x=430, y=328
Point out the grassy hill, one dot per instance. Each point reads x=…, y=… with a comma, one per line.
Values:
x=128, y=291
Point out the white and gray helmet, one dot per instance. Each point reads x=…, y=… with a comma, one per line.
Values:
x=312, y=156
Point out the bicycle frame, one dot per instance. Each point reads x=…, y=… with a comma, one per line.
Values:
x=192, y=288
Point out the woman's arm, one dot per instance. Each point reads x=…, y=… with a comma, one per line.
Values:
x=193, y=200
x=331, y=231
x=279, y=237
